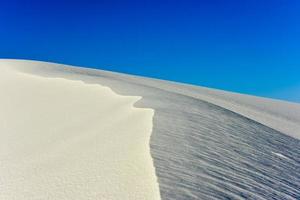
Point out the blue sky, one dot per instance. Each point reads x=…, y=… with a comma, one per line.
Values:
x=247, y=46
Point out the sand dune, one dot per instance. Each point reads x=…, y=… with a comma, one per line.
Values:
x=69, y=132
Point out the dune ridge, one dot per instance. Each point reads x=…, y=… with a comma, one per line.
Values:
x=280, y=115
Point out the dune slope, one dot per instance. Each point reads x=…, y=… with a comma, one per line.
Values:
x=206, y=144
x=65, y=139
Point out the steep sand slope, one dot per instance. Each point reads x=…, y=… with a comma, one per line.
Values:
x=65, y=139
x=207, y=144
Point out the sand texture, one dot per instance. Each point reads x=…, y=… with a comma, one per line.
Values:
x=205, y=143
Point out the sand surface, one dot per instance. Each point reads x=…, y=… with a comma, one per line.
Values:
x=205, y=143
x=65, y=139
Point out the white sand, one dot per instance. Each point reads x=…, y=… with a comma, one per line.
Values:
x=64, y=139
x=83, y=141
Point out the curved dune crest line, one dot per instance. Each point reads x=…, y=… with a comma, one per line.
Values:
x=280, y=115
x=65, y=139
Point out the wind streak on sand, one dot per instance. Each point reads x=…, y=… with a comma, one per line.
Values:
x=65, y=139
x=205, y=143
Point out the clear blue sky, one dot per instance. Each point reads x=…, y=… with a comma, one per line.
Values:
x=247, y=46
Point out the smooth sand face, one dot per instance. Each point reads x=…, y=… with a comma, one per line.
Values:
x=64, y=139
